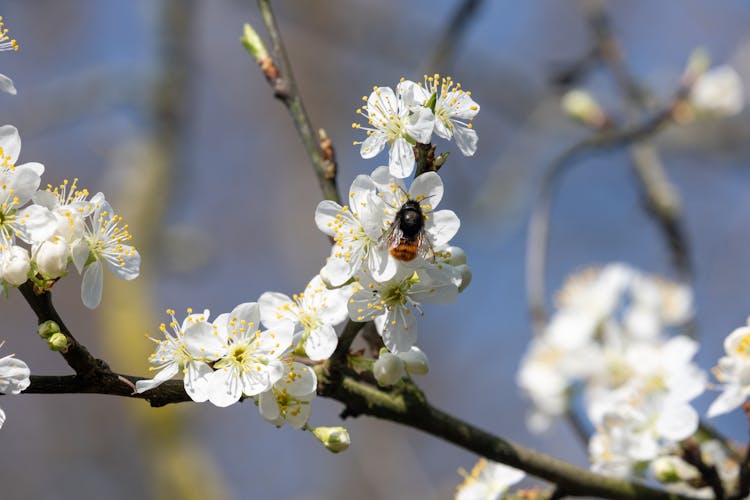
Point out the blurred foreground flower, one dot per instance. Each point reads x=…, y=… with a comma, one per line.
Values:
x=488, y=481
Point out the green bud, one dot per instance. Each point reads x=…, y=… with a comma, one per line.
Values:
x=698, y=63
x=582, y=106
x=58, y=342
x=336, y=439
x=253, y=43
x=48, y=328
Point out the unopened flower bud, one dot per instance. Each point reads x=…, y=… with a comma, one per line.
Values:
x=336, y=439
x=52, y=258
x=48, y=328
x=698, y=63
x=415, y=361
x=58, y=342
x=253, y=43
x=466, y=276
x=15, y=270
x=718, y=92
x=580, y=105
x=388, y=368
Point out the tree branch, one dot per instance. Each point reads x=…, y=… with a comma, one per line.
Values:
x=319, y=148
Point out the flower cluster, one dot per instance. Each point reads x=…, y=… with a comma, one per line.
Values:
x=369, y=246
x=608, y=340
x=411, y=114
x=60, y=225
x=250, y=351
x=390, y=254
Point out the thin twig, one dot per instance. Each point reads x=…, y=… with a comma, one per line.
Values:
x=454, y=30
x=538, y=234
x=285, y=89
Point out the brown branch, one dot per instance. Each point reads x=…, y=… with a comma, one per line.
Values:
x=318, y=147
x=407, y=406
x=78, y=357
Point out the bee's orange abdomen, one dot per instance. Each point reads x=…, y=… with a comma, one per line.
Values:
x=405, y=250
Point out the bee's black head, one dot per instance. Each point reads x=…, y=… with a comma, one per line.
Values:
x=410, y=218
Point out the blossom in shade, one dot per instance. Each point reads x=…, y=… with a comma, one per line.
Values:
x=394, y=304
x=314, y=313
x=249, y=359
x=289, y=398
x=188, y=348
x=357, y=230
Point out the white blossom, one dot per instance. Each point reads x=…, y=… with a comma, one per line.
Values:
x=188, y=348
x=357, y=230
x=454, y=111
x=103, y=243
x=249, y=360
x=313, y=313
x=397, y=120
x=289, y=398
x=393, y=305
x=719, y=91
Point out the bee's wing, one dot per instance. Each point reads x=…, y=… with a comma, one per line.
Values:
x=424, y=246
x=392, y=237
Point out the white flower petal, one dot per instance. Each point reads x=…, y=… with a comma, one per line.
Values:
x=6, y=85
x=731, y=398
x=223, y=389
x=466, y=139
x=372, y=145
x=14, y=375
x=276, y=307
x=398, y=327
x=427, y=189
x=305, y=384
x=677, y=422
x=166, y=373
x=91, y=285
x=197, y=381
x=401, y=158
x=128, y=264
x=321, y=342
x=442, y=226
x=420, y=124
x=269, y=408
x=10, y=142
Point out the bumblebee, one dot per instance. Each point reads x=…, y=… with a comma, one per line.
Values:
x=406, y=237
